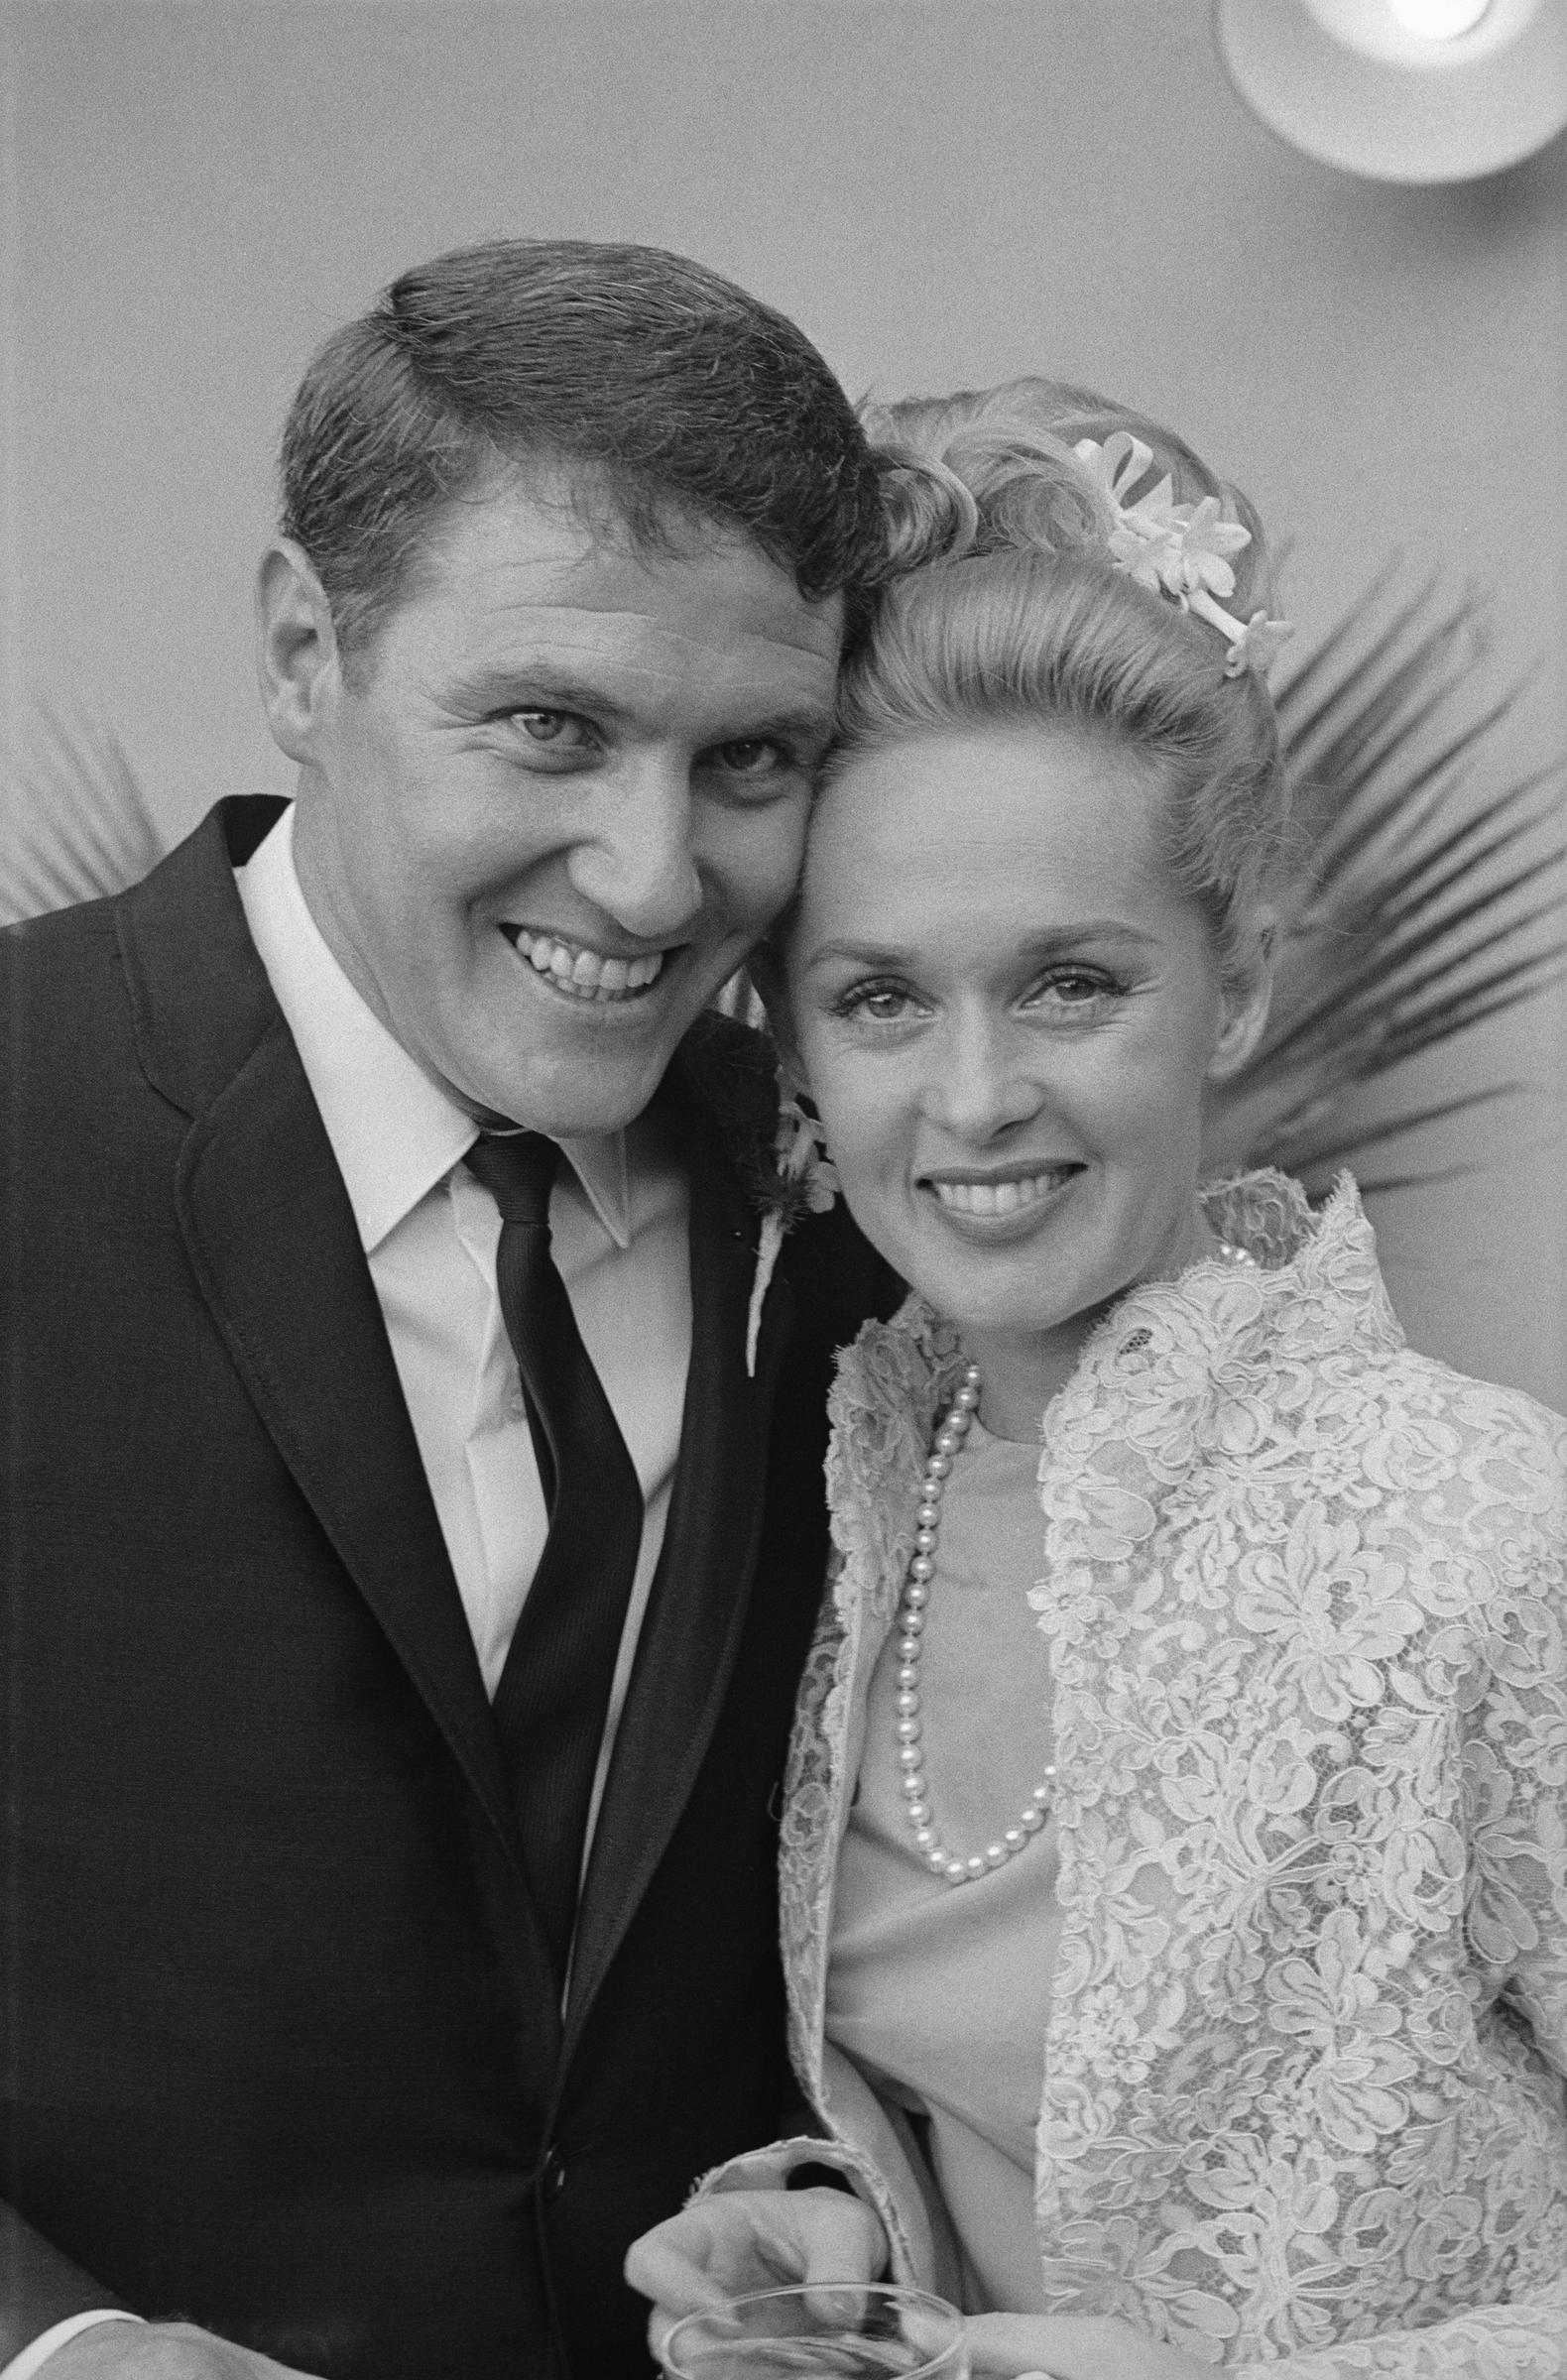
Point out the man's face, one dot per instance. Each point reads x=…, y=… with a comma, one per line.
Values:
x=562, y=795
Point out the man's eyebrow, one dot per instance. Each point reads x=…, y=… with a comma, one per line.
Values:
x=512, y=685
x=516, y=686
x=809, y=722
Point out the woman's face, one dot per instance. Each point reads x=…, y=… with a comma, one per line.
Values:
x=1006, y=1015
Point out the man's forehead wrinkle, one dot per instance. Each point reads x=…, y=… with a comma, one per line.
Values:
x=623, y=649
x=591, y=626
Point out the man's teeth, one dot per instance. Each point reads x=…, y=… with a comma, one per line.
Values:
x=999, y=1198
x=586, y=974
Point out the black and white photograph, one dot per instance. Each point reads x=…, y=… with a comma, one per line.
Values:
x=783, y=1234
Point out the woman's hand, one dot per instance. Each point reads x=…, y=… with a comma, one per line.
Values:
x=1073, y=2346
x=745, y=2239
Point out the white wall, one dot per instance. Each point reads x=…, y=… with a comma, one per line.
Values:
x=940, y=191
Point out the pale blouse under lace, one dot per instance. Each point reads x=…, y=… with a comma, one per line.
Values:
x=941, y=1997
x=1305, y=1603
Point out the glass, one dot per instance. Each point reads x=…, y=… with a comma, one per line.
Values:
x=822, y=2333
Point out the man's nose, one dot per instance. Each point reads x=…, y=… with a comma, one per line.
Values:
x=983, y=1078
x=639, y=863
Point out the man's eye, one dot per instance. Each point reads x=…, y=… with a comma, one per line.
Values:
x=750, y=756
x=563, y=731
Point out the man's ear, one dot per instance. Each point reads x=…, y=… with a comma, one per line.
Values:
x=1247, y=996
x=297, y=656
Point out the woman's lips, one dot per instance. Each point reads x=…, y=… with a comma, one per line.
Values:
x=995, y=1195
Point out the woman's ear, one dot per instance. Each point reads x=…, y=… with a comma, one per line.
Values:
x=1247, y=994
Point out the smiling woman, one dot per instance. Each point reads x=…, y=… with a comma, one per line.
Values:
x=1010, y=1076
x=1173, y=1892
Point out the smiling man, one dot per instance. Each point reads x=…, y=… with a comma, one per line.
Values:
x=407, y=1574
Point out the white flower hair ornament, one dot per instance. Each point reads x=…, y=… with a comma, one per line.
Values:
x=804, y=1183
x=1178, y=549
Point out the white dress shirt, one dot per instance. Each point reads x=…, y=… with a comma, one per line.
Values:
x=429, y=1232
x=617, y=1224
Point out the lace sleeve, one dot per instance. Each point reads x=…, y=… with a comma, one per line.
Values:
x=1525, y=2340
x=1509, y=1505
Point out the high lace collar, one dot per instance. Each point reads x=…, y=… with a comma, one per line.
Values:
x=1315, y=1291
x=1176, y=1368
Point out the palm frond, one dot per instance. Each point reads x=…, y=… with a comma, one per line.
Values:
x=75, y=824
x=1425, y=898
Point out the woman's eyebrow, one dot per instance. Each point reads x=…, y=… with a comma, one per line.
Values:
x=1048, y=944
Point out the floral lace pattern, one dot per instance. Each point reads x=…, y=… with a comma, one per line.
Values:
x=1306, y=1597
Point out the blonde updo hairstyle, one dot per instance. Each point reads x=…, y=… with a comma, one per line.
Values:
x=1011, y=609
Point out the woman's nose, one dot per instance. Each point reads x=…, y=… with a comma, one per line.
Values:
x=985, y=1079
x=639, y=862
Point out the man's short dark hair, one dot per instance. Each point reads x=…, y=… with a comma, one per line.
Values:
x=669, y=397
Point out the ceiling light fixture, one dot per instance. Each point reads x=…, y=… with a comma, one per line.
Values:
x=1402, y=91
x=1438, y=20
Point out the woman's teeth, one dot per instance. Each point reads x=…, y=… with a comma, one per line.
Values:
x=585, y=973
x=999, y=1198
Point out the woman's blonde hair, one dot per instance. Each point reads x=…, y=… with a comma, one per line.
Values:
x=1011, y=609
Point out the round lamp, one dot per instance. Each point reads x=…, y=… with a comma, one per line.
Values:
x=1402, y=91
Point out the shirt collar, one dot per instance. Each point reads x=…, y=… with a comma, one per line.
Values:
x=394, y=1132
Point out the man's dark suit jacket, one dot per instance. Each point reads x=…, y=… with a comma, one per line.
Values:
x=281, y=2055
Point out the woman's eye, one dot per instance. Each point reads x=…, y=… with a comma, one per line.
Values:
x=562, y=731
x=878, y=1004
x=1074, y=987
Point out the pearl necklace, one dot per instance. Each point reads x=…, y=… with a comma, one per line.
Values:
x=912, y=1630
x=910, y=1622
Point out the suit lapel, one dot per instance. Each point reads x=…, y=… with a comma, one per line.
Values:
x=697, y=1611
x=272, y=1239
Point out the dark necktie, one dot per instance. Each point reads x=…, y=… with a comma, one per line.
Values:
x=554, y=1689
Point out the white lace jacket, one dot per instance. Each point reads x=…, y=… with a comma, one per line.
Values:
x=1305, y=1598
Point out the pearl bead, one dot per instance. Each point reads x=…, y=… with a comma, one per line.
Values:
x=910, y=1620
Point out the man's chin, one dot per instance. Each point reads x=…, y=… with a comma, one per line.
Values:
x=581, y=1102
